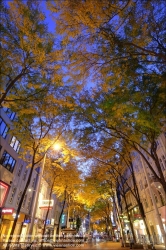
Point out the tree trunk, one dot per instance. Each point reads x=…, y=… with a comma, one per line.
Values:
x=131, y=224
x=57, y=231
x=20, y=205
x=47, y=214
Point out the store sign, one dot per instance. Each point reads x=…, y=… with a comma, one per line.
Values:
x=27, y=221
x=7, y=210
x=52, y=222
x=3, y=191
x=48, y=222
x=137, y=215
x=45, y=204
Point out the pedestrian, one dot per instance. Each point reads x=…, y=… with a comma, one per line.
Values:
x=131, y=242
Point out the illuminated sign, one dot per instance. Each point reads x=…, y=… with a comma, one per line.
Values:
x=7, y=210
x=45, y=204
x=27, y=221
x=3, y=191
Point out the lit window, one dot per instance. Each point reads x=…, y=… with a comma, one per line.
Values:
x=8, y=161
x=4, y=128
x=15, y=144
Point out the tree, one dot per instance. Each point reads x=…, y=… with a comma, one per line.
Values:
x=105, y=38
x=35, y=131
x=28, y=66
x=135, y=115
x=67, y=186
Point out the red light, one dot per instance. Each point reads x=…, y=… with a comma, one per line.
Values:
x=4, y=192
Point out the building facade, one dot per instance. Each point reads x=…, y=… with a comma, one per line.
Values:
x=13, y=177
x=152, y=197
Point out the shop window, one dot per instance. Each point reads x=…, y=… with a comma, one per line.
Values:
x=10, y=113
x=20, y=170
x=4, y=128
x=25, y=174
x=15, y=144
x=8, y=161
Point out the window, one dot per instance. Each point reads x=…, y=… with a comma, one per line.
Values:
x=8, y=161
x=15, y=144
x=4, y=128
x=23, y=204
x=19, y=170
x=12, y=194
x=33, y=183
x=9, y=113
x=162, y=162
x=18, y=198
x=156, y=198
x=29, y=203
x=146, y=204
x=140, y=184
x=25, y=174
x=161, y=197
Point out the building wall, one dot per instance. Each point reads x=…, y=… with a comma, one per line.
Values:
x=145, y=195
x=12, y=183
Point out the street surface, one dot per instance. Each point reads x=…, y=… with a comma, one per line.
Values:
x=109, y=245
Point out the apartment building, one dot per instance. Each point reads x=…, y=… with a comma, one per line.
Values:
x=13, y=177
x=154, y=207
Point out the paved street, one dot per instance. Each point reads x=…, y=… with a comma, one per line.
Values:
x=109, y=245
